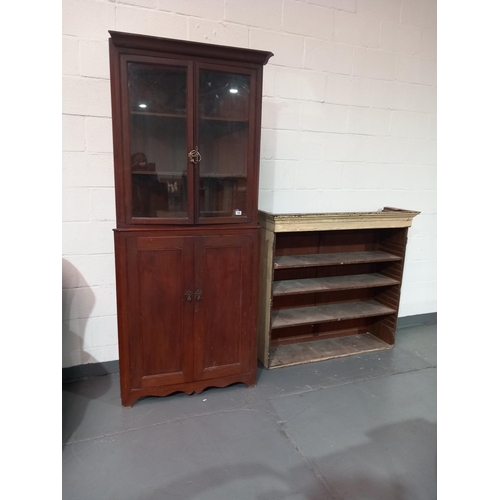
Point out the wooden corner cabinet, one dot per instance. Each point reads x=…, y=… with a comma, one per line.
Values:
x=186, y=137
x=330, y=284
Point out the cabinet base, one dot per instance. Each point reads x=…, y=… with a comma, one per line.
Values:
x=321, y=350
x=129, y=398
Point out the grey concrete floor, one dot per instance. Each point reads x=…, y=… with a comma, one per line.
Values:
x=356, y=428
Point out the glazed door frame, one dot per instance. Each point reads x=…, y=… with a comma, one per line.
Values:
x=252, y=153
x=126, y=183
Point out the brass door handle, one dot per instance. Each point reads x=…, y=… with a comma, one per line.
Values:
x=198, y=295
x=194, y=156
x=189, y=295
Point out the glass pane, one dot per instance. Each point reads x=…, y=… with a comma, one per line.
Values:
x=157, y=100
x=223, y=143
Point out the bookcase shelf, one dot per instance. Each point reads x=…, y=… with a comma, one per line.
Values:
x=330, y=284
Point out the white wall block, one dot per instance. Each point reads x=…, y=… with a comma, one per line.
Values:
x=380, y=9
x=102, y=202
x=149, y=4
x=323, y=117
x=278, y=174
x=76, y=203
x=410, y=177
x=105, y=300
x=319, y=175
x=348, y=5
x=433, y=127
x=104, y=331
x=102, y=270
x=98, y=135
x=94, y=59
x=88, y=19
x=287, y=201
x=391, y=95
x=76, y=334
x=428, y=45
x=87, y=238
x=267, y=144
x=77, y=303
x=73, y=133
x=369, y=121
x=307, y=19
x=219, y=33
x=328, y=56
x=75, y=271
x=425, y=226
x=419, y=13
x=268, y=81
x=282, y=114
x=363, y=176
x=408, y=124
x=261, y=13
x=86, y=96
x=266, y=200
x=420, y=271
x=345, y=147
x=402, y=39
x=422, y=152
x=360, y=200
x=300, y=84
x=288, y=50
x=356, y=30
x=373, y=63
x=100, y=354
x=287, y=145
x=70, y=56
x=203, y=9
x=386, y=149
x=87, y=169
x=149, y=22
x=422, y=201
x=416, y=70
x=312, y=145
x=424, y=99
x=348, y=90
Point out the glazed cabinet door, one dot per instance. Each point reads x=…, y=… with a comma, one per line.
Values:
x=160, y=310
x=225, y=134
x=224, y=306
x=157, y=135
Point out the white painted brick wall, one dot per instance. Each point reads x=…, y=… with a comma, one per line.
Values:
x=349, y=124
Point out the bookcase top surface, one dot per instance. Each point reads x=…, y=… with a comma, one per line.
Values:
x=388, y=217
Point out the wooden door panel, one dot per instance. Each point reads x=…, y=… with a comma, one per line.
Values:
x=223, y=320
x=160, y=315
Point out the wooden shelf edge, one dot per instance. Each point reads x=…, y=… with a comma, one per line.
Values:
x=327, y=313
x=330, y=284
x=388, y=217
x=333, y=259
x=322, y=350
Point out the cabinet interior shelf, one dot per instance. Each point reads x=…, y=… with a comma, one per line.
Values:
x=224, y=119
x=325, y=313
x=152, y=113
x=332, y=283
x=177, y=115
x=331, y=259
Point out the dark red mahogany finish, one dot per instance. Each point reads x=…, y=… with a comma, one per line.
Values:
x=187, y=240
